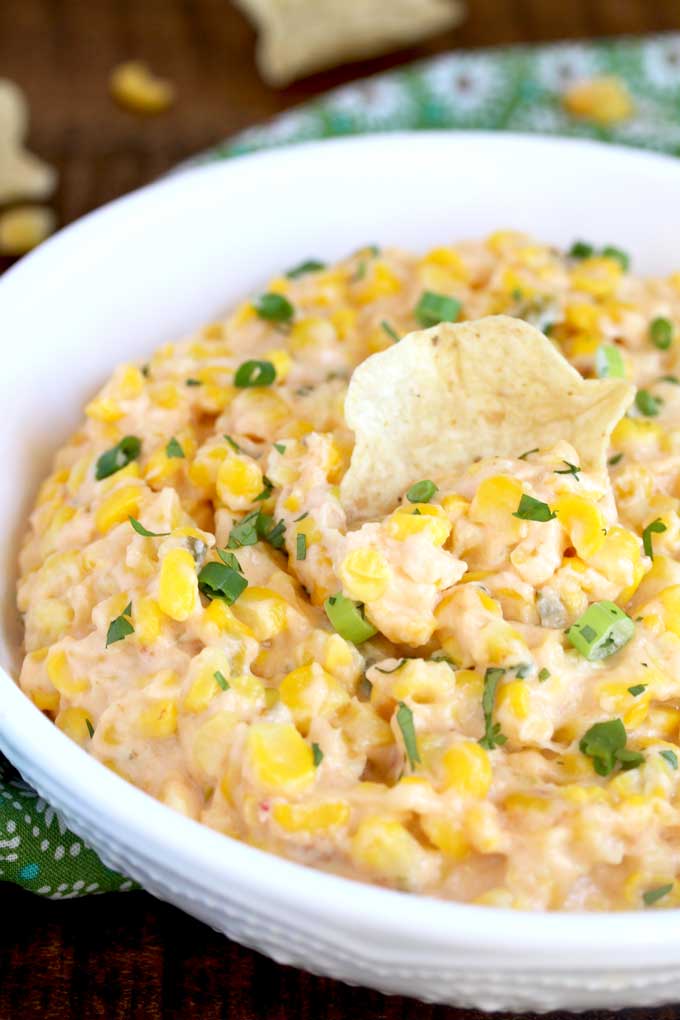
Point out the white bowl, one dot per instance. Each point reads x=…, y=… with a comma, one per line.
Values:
x=159, y=262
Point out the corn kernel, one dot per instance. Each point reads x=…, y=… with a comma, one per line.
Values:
x=239, y=481
x=365, y=574
x=136, y=88
x=515, y=695
x=447, y=836
x=386, y=849
x=382, y=281
x=123, y=502
x=104, y=409
x=159, y=718
x=51, y=618
x=263, y=611
x=311, y=817
x=583, y=521
x=219, y=615
x=496, y=499
x=74, y=723
x=467, y=769
x=605, y=100
x=310, y=333
x=416, y=520
x=281, y=360
x=279, y=758
x=178, y=585
x=309, y=692
x=212, y=742
x=61, y=675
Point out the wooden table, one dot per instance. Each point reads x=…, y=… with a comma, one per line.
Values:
x=127, y=957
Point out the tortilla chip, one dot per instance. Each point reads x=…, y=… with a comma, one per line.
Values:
x=301, y=36
x=22, y=175
x=444, y=397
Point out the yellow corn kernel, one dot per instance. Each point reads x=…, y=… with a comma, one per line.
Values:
x=365, y=574
x=74, y=723
x=502, y=241
x=46, y=701
x=203, y=682
x=159, y=718
x=454, y=506
x=386, y=849
x=446, y=836
x=338, y=655
x=511, y=282
x=467, y=769
x=164, y=394
x=423, y=682
x=263, y=611
x=281, y=360
x=160, y=468
x=212, y=743
x=583, y=521
x=496, y=499
x=214, y=397
x=249, y=687
x=309, y=692
x=380, y=282
x=50, y=536
x=637, y=436
x=181, y=797
x=136, y=88
x=515, y=695
x=664, y=721
x=123, y=502
x=669, y=599
x=414, y=520
x=178, y=585
x=239, y=481
x=129, y=471
x=320, y=817
x=51, y=618
x=59, y=672
x=449, y=259
x=104, y=409
x=583, y=316
x=148, y=620
x=278, y=757
x=597, y=276
x=128, y=382
x=344, y=319
x=523, y=802
x=203, y=469
x=218, y=614
x=363, y=729
x=310, y=333
x=605, y=100
x=581, y=794
x=582, y=344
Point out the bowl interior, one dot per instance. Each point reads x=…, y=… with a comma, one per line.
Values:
x=159, y=262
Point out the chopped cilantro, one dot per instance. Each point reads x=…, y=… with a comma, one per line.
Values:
x=527, y=453
x=309, y=266
x=637, y=689
x=435, y=308
x=120, y=627
x=317, y=755
x=394, y=668
x=392, y=333
x=141, y=530
x=543, y=675
x=118, y=457
x=654, y=895
x=531, y=509
x=571, y=469
x=656, y=527
x=492, y=731
x=605, y=744
x=174, y=449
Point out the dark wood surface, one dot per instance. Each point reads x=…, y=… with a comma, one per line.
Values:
x=127, y=957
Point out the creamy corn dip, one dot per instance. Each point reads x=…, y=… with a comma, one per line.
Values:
x=475, y=696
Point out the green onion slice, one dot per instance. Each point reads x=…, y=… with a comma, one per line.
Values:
x=601, y=631
x=661, y=333
x=219, y=581
x=408, y=732
x=609, y=362
x=254, y=373
x=274, y=308
x=348, y=619
x=435, y=308
x=421, y=492
x=310, y=266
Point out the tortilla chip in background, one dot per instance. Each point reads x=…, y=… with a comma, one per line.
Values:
x=444, y=397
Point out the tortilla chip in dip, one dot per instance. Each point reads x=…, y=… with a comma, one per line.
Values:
x=444, y=397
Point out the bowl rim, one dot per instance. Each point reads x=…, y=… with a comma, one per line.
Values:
x=184, y=846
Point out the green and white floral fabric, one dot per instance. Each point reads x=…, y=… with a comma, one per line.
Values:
x=512, y=89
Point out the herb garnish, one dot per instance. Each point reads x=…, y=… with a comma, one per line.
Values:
x=347, y=618
x=392, y=333
x=118, y=457
x=656, y=527
x=408, y=732
x=394, y=668
x=531, y=509
x=492, y=731
x=280, y=448
x=310, y=266
x=661, y=333
x=317, y=755
x=637, y=689
x=90, y=727
x=421, y=492
x=647, y=403
x=221, y=680
x=571, y=469
x=219, y=581
x=141, y=530
x=601, y=630
x=527, y=453
x=274, y=308
x=671, y=757
x=653, y=895
x=434, y=308
x=120, y=627
x=615, y=459
x=543, y=675
x=605, y=744
x=174, y=449
x=254, y=373
x=301, y=547
x=193, y=382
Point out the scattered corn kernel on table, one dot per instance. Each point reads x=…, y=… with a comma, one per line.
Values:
x=127, y=956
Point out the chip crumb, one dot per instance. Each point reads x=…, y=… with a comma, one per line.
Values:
x=23, y=176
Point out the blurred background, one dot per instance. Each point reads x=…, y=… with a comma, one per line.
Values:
x=103, y=136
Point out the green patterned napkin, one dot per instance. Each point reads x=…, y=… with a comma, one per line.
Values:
x=512, y=89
